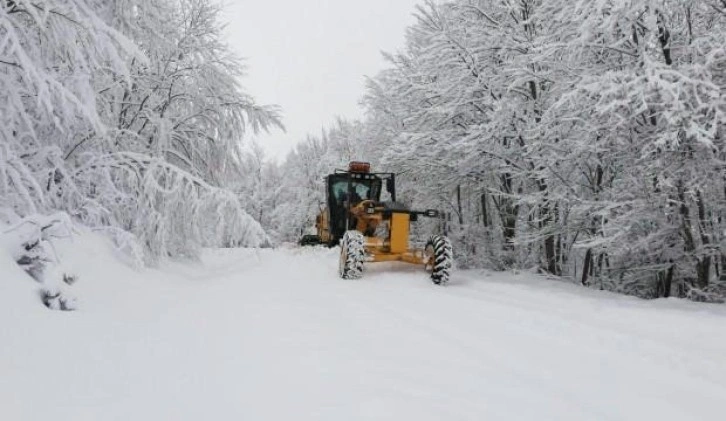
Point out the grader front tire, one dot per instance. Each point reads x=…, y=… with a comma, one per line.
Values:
x=441, y=258
x=352, y=255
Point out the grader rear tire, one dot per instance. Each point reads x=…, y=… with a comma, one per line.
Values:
x=440, y=254
x=352, y=255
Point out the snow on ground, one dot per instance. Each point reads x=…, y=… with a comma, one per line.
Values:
x=275, y=335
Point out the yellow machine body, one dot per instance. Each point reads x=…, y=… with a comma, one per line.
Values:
x=371, y=230
x=395, y=245
x=370, y=217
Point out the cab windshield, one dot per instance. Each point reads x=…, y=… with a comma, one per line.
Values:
x=359, y=190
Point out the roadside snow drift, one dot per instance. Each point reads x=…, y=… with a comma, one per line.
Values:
x=275, y=335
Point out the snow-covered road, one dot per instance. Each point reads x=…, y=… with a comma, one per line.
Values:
x=275, y=335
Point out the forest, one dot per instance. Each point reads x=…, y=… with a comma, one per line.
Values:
x=582, y=138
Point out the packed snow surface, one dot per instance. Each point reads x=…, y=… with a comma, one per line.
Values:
x=275, y=335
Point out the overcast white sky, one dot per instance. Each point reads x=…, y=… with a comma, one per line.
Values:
x=311, y=56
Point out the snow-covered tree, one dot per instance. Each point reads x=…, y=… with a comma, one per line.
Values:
x=583, y=137
x=128, y=116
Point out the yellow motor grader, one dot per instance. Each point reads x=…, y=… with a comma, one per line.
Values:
x=369, y=230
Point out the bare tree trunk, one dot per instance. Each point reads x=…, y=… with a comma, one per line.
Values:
x=704, y=264
x=668, y=283
x=664, y=36
x=508, y=211
x=551, y=256
x=686, y=225
x=484, y=212
x=586, y=267
x=458, y=204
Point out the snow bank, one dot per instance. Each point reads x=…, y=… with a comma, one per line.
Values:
x=17, y=290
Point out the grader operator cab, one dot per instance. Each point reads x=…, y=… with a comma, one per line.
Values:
x=369, y=230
